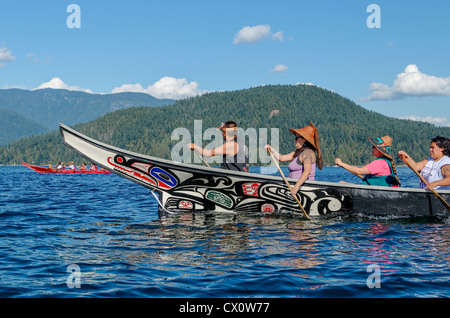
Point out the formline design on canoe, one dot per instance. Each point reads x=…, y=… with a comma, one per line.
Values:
x=192, y=188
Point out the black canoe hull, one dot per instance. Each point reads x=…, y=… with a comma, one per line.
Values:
x=193, y=188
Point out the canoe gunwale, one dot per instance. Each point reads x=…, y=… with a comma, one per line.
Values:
x=95, y=147
x=218, y=171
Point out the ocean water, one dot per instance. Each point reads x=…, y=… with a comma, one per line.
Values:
x=85, y=236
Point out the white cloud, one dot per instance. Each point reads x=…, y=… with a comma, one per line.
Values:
x=252, y=34
x=278, y=36
x=438, y=121
x=135, y=88
x=5, y=56
x=279, y=68
x=13, y=86
x=57, y=83
x=411, y=82
x=166, y=87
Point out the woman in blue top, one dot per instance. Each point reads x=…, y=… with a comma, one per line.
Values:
x=435, y=169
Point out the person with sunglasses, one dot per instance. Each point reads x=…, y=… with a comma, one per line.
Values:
x=382, y=170
x=234, y=152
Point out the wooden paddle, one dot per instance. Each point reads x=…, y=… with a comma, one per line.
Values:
x=201, y=157
x=358, y=175
x=287, y=183
x=426, y=183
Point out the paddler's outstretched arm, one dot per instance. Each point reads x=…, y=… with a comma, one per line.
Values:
x=352, y=169
x=279, y=156
x=417, y=165
x=445, y=170
x=229, y=148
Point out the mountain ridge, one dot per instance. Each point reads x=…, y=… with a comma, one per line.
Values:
x=47, y=107
x=343, y=125
x=15, y=126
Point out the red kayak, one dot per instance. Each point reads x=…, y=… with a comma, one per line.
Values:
x=53, y=170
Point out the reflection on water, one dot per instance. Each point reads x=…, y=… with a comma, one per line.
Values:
x=434, y=241
x=377, y=246
x=230, y=239
x=111, y=229
x=176, y=251
x=201, y=238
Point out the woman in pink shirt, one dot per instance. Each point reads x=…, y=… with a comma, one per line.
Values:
x=382, y=170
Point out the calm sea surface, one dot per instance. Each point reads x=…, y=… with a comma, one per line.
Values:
x=103, y=234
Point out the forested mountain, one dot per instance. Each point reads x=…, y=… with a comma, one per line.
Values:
x=15, y=126
x=343, y=125
x=46, y=108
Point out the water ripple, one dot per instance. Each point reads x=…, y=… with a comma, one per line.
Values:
x=110, y=228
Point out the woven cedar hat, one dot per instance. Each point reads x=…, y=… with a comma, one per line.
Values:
x=311, y=135
x=383, y=144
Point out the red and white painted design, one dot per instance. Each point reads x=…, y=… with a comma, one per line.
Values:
x=185, y=205
x=267, y=208
x=251, y=188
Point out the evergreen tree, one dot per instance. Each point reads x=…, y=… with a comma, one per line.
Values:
x=343, y=125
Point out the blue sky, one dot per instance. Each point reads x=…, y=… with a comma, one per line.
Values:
x=175, y=49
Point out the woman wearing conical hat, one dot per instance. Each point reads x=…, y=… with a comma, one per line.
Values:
x=305, y=158
x=382, y=170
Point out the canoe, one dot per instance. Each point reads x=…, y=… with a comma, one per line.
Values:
x=181, y=188
x=53, y=170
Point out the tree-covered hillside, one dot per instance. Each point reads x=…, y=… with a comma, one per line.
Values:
x=15, y=126
x=46, y=108
x=343, y=125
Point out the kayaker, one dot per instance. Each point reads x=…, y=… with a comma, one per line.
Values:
x=305, y=158
x=436, y=168
x=382, y=170
x=82, y=167
x=71, y=166
x=60, y=166
x=93, y=167
x=234, y=151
